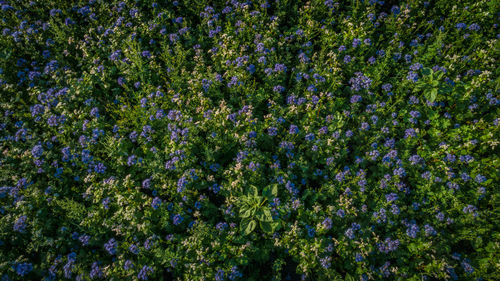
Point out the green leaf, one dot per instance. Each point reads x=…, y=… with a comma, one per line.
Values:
x=490, y=247
x=259, y=214
x=245, y=213
x=433, y=95
x=264, y=214
x=254, y=191
x=267, y=192
x=266, y=227
x=484, y=262
x=244, y=224
x=433, y=115
x=413, y=248
x=270, y=191
x=426, y=71
x=440, y=75
x=348, y=277
x=274, y=190
x=247, y=226
x=276, y=225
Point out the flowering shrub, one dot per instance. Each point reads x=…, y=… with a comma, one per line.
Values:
x=258, y=140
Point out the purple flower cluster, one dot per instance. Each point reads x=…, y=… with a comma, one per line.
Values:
x=111, y=246
x=388, y=245
x=360, y=81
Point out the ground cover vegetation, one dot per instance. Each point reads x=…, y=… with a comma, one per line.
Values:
x=258, y=140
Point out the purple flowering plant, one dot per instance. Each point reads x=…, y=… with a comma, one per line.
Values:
x=238, y=140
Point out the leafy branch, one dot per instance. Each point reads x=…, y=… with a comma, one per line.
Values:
x=254, y=210
x=431, y=84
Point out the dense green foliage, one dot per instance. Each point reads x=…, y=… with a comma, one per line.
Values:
x=262, y=140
